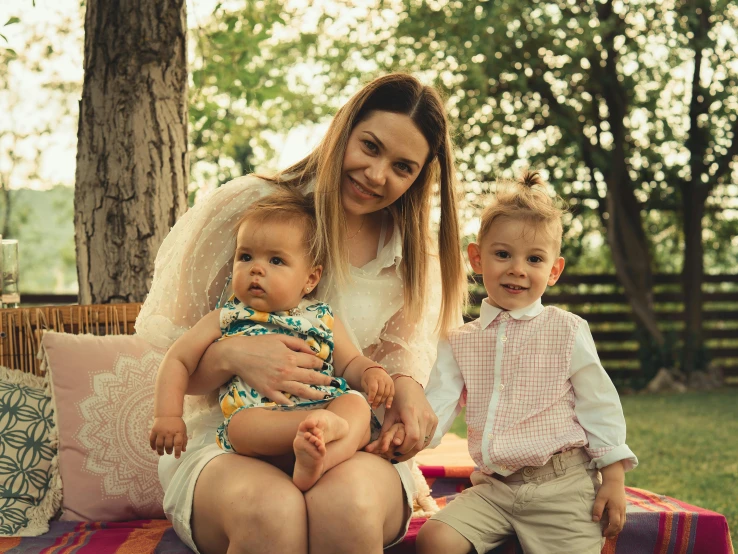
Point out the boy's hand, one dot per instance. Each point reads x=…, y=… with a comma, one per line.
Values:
x=168, y=434
x=611, y=497
x=378, y=386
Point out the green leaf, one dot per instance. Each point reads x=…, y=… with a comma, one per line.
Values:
x=12, y=21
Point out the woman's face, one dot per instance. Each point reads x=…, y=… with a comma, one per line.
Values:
x=384, y=156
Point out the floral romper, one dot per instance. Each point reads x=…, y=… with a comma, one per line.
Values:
x=311, y=321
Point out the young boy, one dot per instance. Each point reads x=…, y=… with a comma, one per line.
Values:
x=544, y=420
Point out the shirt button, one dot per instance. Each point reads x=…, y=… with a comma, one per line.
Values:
x=503, y=468
x=505, y=315
x=490, y=436
x=502, y=387
x=503, y=339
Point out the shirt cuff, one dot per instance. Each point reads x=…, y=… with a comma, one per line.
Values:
x=616, y=454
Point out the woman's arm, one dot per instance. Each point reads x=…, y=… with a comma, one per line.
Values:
x=271, y=364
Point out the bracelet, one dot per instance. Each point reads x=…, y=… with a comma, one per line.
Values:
x=372, y=366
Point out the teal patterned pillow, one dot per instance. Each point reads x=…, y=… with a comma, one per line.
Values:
x=30, y=488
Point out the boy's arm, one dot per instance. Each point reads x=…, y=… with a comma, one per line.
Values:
x=597, y=406
x=180, y=362
x=611, y=497
x=444, y=390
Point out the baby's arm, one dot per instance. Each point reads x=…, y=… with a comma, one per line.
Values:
x=360, y=372
x=169, y=432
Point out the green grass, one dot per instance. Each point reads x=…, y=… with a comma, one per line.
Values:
x=687, y=446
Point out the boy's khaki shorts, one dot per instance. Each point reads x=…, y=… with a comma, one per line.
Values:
x=549, y=508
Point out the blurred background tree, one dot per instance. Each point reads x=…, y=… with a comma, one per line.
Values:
x=628, y=107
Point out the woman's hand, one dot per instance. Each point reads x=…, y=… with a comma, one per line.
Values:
x=410, y=408
x=271, y=364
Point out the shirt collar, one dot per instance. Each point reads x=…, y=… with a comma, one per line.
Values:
x=488, y=312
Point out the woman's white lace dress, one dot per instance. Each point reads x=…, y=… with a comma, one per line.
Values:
x=191, y=270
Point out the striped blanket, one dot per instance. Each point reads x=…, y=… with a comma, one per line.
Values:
x=656, y=525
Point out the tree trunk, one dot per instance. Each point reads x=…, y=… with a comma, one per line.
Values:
x=132, y=166
x=625, y=234
x=694, y=209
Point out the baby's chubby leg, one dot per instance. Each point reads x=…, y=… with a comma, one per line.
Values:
x=258, y=432
x=321, y=444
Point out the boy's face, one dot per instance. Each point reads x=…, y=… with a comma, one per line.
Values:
x=271, y=268
x=517, y=261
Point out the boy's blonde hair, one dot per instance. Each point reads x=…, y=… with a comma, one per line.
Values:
x=526, y=199
x=287, y=204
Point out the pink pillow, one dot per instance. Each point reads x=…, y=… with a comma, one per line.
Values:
x=103, y=391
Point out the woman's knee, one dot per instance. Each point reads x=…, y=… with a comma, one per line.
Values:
x=247, y=514
x=362, y=499
x=264, y=510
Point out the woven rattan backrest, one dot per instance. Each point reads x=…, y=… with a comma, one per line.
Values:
x=21, y=328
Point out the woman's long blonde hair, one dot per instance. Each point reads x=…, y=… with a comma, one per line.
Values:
x=402, y=94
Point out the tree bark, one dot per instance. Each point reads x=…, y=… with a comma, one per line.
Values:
x=132, y=161
x=694, y=192
x=625, y=234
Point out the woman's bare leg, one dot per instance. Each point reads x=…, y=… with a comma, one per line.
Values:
x=358, y=506
x=241, y=505
x=319, y=445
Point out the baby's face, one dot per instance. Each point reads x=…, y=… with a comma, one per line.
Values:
x=517, y=261
x=271, y=268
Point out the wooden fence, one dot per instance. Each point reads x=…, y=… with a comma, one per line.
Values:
x=600, y=300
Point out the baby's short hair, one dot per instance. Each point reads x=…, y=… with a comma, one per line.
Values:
x=526, y=199
x=287, y=204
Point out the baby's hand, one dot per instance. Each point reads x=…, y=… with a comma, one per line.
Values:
x=168, y=434
x=378, y=386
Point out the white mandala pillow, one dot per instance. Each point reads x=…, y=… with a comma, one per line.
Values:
x=103, y=394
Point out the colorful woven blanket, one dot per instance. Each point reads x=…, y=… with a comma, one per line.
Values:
x=656, y=525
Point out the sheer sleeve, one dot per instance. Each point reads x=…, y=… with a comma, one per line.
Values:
x=194, y=262
x=408, y=347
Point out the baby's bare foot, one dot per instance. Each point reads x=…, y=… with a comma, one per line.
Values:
x=318, y=429
x=325, y=425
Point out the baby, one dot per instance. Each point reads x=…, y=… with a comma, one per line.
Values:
x=275, y=273
x=543, y=418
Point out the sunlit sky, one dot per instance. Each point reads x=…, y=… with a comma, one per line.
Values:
x=27, y=107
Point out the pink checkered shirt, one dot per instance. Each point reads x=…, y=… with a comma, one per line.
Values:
x=522, y=405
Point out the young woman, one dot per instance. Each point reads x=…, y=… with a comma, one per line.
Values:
x=385, y=155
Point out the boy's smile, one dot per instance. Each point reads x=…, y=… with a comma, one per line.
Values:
x=517, y=260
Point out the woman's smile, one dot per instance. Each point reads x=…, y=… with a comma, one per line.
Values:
x=361, y=190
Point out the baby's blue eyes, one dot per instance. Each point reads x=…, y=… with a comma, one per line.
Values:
x=502, y=254
x=274, y=260
x=535, y=259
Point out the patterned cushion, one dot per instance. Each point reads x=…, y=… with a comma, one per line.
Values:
x=103, y=392
x=30, y=489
